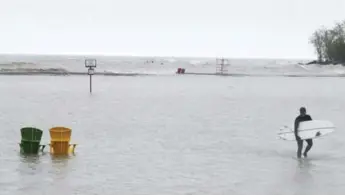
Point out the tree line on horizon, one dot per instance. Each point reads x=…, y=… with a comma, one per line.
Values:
x=329, y=44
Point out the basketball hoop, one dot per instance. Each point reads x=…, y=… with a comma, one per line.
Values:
x=91, y=71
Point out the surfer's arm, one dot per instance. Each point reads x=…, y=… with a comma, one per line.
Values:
x=296, y=127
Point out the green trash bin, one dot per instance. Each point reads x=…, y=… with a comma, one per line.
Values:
x=30, y=142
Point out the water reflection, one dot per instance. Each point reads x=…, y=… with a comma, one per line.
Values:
x=38, y=161
x=60, y=160
x=29, y=158
x=304, y=168
x=60, y=165
x=29, y=172
x=31, y=161
x=303, y=177
x=33, y=171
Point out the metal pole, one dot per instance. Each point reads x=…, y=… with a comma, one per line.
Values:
x=90, y=83
x=91, y=64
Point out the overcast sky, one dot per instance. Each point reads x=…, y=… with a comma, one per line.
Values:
x=230, y=28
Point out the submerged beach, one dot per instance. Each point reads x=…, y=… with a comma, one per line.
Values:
x=164, y=133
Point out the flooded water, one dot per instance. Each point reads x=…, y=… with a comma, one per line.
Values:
x=171, y=135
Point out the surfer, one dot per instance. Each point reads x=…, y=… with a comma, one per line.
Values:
x=302, y=117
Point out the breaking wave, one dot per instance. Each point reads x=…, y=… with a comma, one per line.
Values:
x=136, y=66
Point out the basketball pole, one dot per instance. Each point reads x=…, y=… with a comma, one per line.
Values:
x=90, y=83
x=90, y=64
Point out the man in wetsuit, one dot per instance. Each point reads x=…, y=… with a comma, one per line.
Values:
x=302, y=117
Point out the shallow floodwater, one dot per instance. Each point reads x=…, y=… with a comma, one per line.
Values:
x=162, y=135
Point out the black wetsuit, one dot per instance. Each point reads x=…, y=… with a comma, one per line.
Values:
x=300, y=142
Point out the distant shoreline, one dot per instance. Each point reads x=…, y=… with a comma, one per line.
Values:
x=47, y=73
x=325, y=63
x=67, y=73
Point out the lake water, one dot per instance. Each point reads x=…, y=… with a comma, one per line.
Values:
x=171, y=134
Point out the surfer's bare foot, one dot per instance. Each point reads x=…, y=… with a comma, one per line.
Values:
x=305, y=155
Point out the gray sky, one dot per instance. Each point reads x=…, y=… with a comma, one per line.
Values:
x=231, y=28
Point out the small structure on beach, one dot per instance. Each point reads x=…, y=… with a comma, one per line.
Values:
x=221, y=65
x=221, y=68
x=180, y=71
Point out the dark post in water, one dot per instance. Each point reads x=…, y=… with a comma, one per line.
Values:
x=91, y=64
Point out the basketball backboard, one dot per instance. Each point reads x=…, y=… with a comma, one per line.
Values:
x=90, y=63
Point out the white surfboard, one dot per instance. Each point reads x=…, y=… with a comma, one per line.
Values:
x=307, y=130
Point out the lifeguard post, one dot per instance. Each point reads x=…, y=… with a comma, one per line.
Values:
x=60, y=141
x=222, y=65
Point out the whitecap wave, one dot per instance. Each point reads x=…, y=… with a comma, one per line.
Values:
x=136, y=66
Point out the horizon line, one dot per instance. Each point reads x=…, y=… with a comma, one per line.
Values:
x=152, y=56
